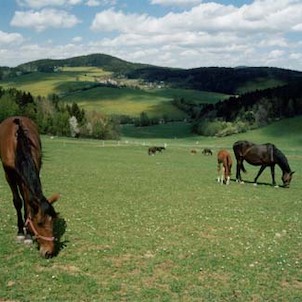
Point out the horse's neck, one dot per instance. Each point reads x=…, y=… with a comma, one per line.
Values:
x=281, y=161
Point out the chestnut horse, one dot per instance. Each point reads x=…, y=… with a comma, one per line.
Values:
x=224, y=158
x=266, y=155
x=21, y=156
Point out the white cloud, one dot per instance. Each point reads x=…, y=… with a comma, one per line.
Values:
x=263, y=32
x=110, y=20
x=183, y=3
x=100, y=2
x=37, y=4
x=275, y=54
x=93, y=3
x=207, y=34
x=41, y=20
x=77, y=39
x=10, y=38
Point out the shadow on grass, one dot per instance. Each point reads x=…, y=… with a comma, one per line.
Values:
x=259, y=183
x=60, y=226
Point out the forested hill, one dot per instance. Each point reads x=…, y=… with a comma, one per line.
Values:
x=217, y=79
x=213, y=79
x=250, y=110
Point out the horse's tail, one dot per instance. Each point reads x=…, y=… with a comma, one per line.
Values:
x=229, y=163
x=24, y=161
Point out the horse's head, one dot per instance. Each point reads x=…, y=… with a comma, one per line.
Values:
x=286, y=178
x=42, y=226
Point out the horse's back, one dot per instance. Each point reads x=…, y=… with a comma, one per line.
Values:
x=8, y=139
x=224, y=155
x=240, y=147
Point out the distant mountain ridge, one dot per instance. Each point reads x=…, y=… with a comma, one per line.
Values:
x=215, y=79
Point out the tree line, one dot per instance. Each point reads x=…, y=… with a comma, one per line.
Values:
x=53, y=117
x=248, y=111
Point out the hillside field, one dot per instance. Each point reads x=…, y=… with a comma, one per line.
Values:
x=159, y=228
x=81, y=85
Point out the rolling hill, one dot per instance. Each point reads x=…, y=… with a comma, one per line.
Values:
x=104, y=83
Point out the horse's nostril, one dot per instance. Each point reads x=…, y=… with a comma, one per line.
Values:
x=48, y=255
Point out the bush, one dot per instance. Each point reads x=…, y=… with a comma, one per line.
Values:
x=219, y=128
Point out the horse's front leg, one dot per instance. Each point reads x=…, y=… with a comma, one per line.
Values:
x=26, y=196
x=219, y=177
x=273, y=175
x=11, y=180
x=259, y=173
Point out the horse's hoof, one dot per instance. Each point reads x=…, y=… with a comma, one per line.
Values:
x=20, y=238
x=255, y=184
x=276, y=186
x=28, y=241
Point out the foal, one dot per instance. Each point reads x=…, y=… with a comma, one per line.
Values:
x=224, y=158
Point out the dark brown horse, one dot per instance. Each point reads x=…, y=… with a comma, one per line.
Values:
x=224, y=158
x=207, y=151
x=21, y=156
x=266, y=155
x=153, y=150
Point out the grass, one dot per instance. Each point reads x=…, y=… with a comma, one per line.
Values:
x=159, y=228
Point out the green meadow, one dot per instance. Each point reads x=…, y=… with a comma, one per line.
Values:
x=159, y=228
x=80, y=85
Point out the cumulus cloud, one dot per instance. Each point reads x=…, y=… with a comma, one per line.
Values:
x=201, y=34
x=10, y=38
x=77, y=39
x=41, y=20
x=209, y=17
x=182, y=3
x=100, y=2
x=43, y=3
x=207, y=34
x=110, y=20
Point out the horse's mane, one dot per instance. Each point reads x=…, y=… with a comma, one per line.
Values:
x=281, y=159
x=27, y=170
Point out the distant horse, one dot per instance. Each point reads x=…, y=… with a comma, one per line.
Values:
x=266, y=155
x=207, y=151
x=193, y=151
x=224, y=158
x=21, y=156
x=153, y=150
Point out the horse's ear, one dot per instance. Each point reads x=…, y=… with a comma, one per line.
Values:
x=292, y=172
x=53, y=198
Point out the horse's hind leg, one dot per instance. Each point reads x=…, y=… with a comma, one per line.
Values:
x=12, y=181
x=238, y=168
x=227, y=176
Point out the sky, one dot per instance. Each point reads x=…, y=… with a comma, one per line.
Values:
x=170, y=33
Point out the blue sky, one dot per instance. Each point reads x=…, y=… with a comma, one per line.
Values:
x=174, y=33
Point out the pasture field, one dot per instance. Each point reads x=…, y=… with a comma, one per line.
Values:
x=159, y=228
x=79, y=84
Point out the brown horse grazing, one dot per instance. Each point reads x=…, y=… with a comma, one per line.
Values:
x=224, y=158
x=266, y=155
x=21, y=156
